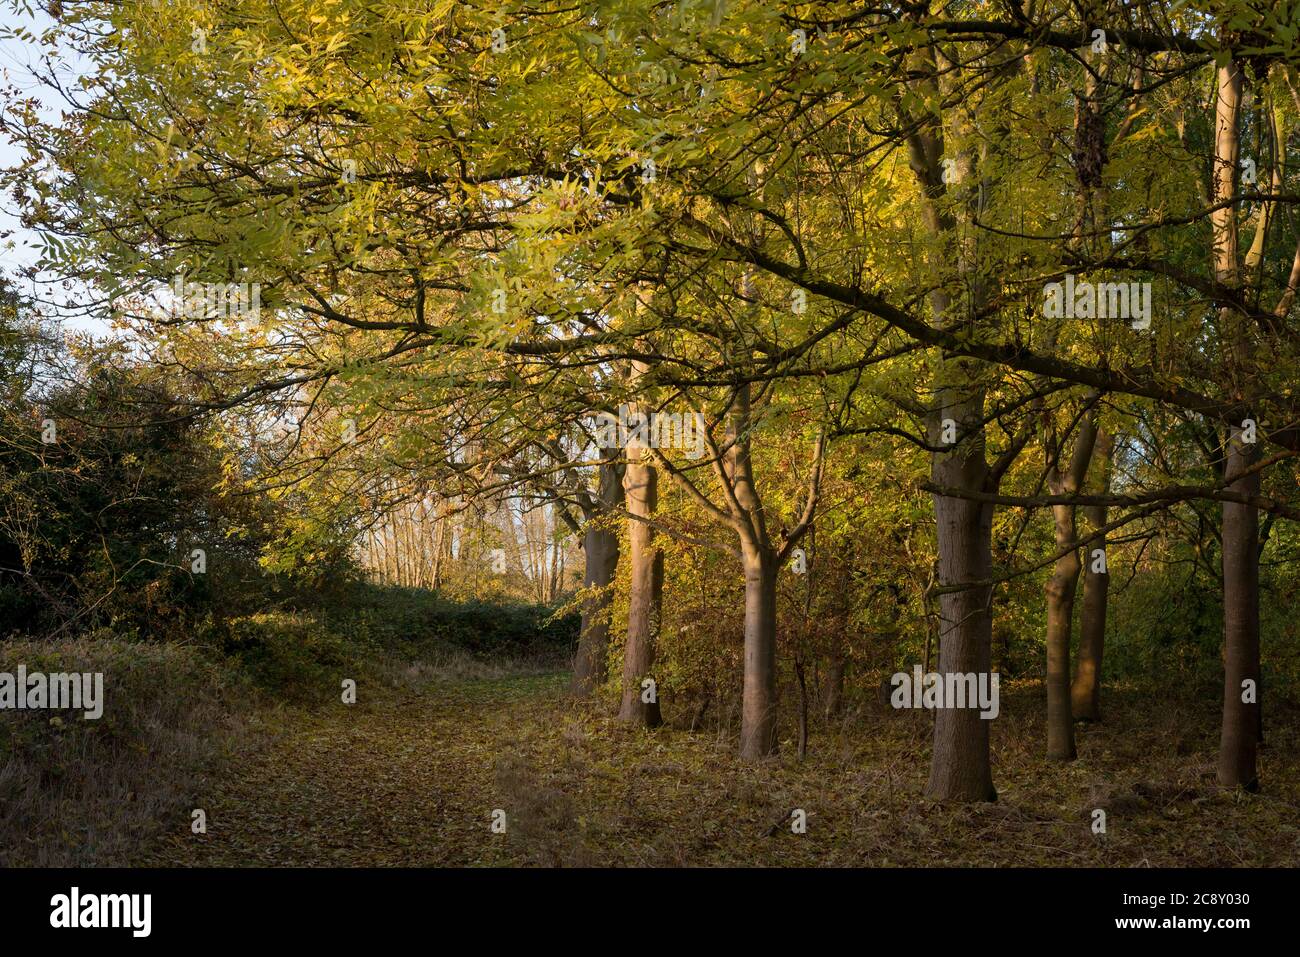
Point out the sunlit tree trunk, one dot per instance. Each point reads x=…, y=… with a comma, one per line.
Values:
x=1238, y=738
x=759, y=703
x=758, y=557
x=645, y=599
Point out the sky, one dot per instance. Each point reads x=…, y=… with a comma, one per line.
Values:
x=19, y=248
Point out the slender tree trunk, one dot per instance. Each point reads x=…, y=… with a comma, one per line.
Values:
x=1060, y=620
x=759, y=558
x=1239, y=738
x=758, y=711
x=803, y=708
x=1064, y=478
x=646, y=564
x=1085, y=693
x=833, y=696
x=837, y=666
x=600, y=549
x=600, y=553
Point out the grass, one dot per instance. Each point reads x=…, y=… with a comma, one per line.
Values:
x=75, y=792
x=180, y=718
x=248, y=725
x=412, y=773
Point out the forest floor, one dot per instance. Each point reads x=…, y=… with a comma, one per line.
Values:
x=412, y=778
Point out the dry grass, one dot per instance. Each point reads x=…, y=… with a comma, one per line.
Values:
x=411, y=777
x=451, y=664
x=75, y=792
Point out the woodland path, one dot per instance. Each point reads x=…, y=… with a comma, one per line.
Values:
x=403, y=781
x=412, y=779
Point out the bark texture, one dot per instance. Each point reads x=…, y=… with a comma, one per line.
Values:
x=959, y=766
x=1085, y=692
x=758, y=706
x=645, y=598
x=600, y=554
x=1064, y=478
x=1239, y=734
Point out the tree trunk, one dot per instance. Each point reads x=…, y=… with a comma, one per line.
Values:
x=600, y=553
x=959, y=766
x=833, y=695
x=803, y=708
x=1060, y=620
x=646, y=564
x=758, y=709
x=600, y=549
x=1064, y=478
x=959, y=763
x=1239, y=738
x=1085, y=693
